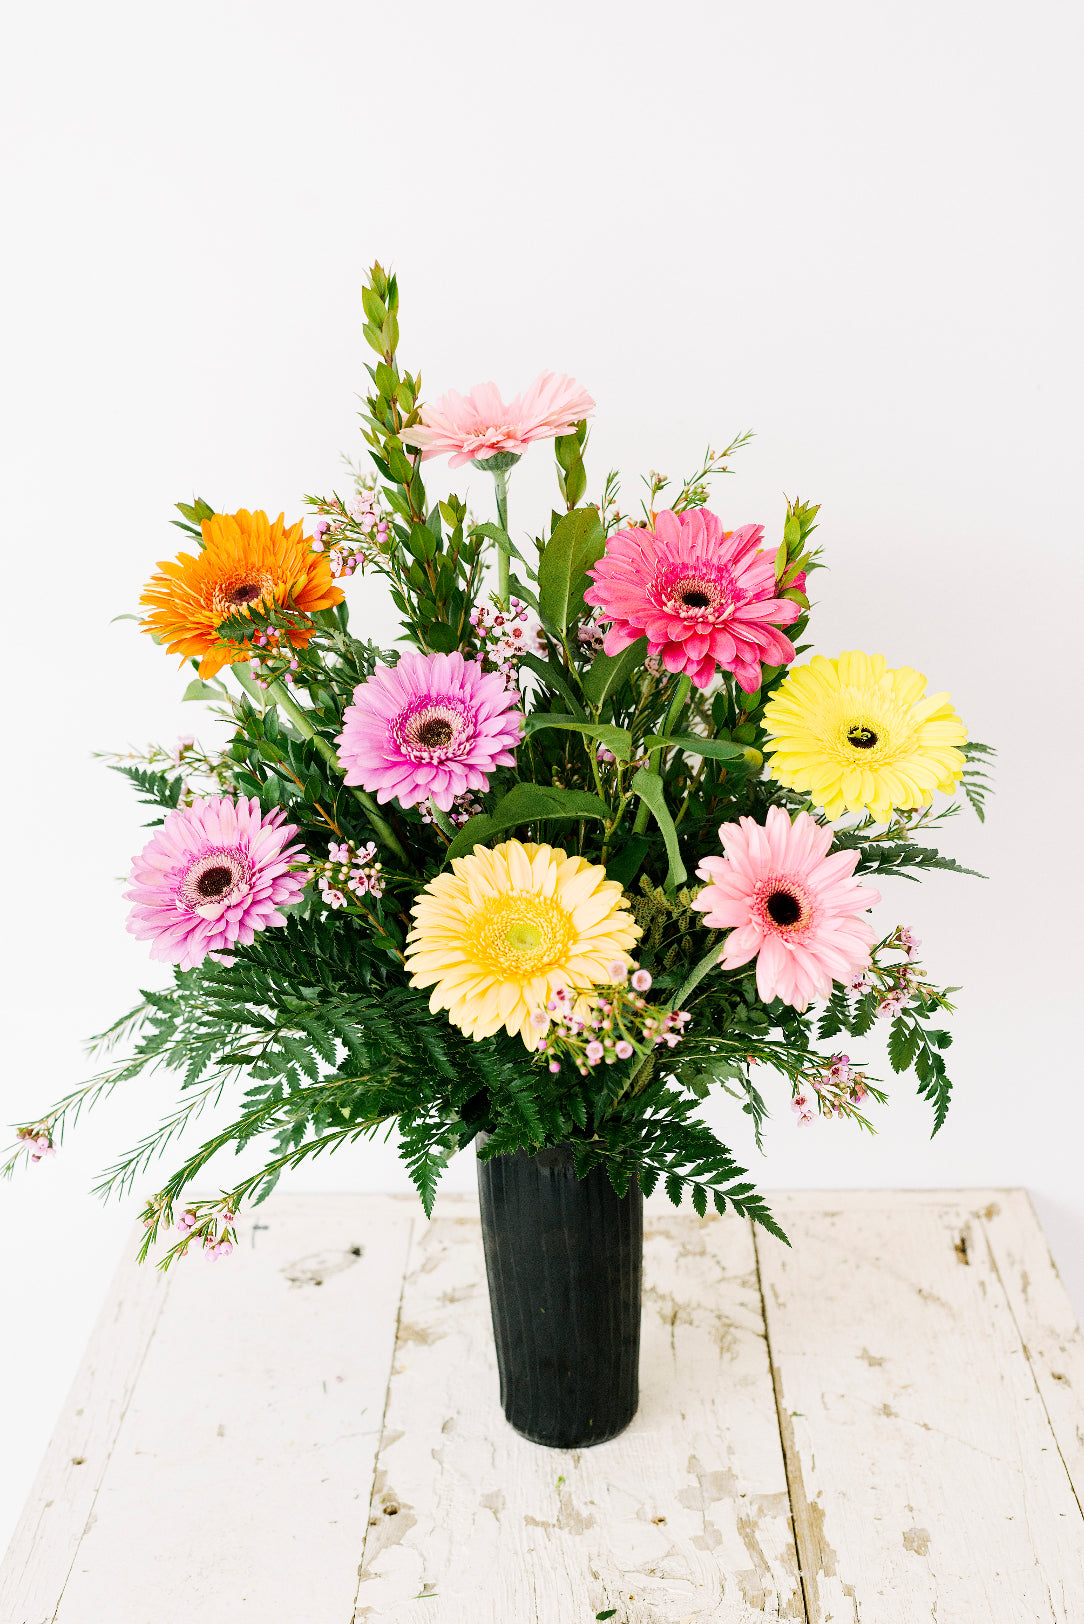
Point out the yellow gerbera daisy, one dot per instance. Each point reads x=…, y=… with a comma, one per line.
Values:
x=508, y=927
x=860, y=737
x=245, y=560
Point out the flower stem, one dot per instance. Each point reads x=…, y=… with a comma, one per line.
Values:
x=442, y=820
x=276, y=691
x=500, y=480
x=708, y=962
x=681, y=694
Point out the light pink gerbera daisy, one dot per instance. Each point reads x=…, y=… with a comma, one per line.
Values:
x=785, y=900
x=429, y=728
x=212, y=876
x=478, y=426
x=702, y=597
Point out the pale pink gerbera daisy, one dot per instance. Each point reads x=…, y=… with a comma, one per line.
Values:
x=785, y=900
x=429, y=728
x=703, y=598
x=478, y=426
x=212, y=876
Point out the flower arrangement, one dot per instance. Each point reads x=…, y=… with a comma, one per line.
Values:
x=598, y=838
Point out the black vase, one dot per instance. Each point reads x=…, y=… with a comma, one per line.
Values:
x=564, y=1264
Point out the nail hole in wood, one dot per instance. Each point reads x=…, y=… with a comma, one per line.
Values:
x=79, y=1460
x=961, y=1250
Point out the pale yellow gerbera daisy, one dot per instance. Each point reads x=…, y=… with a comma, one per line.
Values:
x=508, y=927
x=858, y=737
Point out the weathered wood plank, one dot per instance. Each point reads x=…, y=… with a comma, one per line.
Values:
x=46, y=1538
x=684, y=1516
x=925, y=1479
x=240, y=1479
x=1044, y=1317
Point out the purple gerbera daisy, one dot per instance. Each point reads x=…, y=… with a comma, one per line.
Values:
x=429, y=728
x=704, y=597
x=213, y=875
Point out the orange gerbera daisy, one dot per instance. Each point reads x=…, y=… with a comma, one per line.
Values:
x=245, y=560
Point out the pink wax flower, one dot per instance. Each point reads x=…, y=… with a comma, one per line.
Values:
x=213, y=875
x=431, y=727
x=788, y=903
x=475, y=427
x=37, y=1142
x=703, y=599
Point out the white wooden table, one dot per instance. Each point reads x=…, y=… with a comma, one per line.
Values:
x=881, y=1426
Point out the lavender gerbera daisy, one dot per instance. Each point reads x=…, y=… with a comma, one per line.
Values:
x=214, y=874
x=429, y=728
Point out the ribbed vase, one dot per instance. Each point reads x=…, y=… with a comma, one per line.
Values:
x=564, y=1264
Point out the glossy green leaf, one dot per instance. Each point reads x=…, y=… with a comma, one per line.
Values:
x=650, y=788
x=578, y=542
x=527, y=803
x=624, y=864
x=501, y=537
x=442, y=637
x=717, y=749
x=206, y=691
x=553, y=677
x=518, y=590
x=617, y=739
x=609, y=671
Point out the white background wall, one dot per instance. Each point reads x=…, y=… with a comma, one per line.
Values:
x=851, y=226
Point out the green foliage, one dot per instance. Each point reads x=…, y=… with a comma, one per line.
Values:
x=693, y=745
x=571, y=474
x=526, y=804
x=650, y=788
x=578, y=542
x=896, y=857
x=155, y=788
x=617, y=739
x=976, y=782
x=313, y=1032
x=609, y=672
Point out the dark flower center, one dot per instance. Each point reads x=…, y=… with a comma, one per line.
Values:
x=693, y=598
x=214, y=881
x=247, y=592
x=435, y=733
x=783, y=908
x=863, y=738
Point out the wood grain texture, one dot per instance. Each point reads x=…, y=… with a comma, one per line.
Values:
x=240, y=1479
x=684, y=1516
x=1044, y=1318
x=925, y=1480
x=311, y=1431
x=61, y=1502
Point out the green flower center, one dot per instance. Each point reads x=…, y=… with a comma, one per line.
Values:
x=522, y=937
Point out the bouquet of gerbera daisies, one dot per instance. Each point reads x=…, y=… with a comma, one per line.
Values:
x=592, y=841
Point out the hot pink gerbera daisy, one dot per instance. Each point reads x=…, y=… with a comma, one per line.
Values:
x=703, y=598
x=478, y=426
x=785, y=900
x=213, y=875
x=429, y=728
